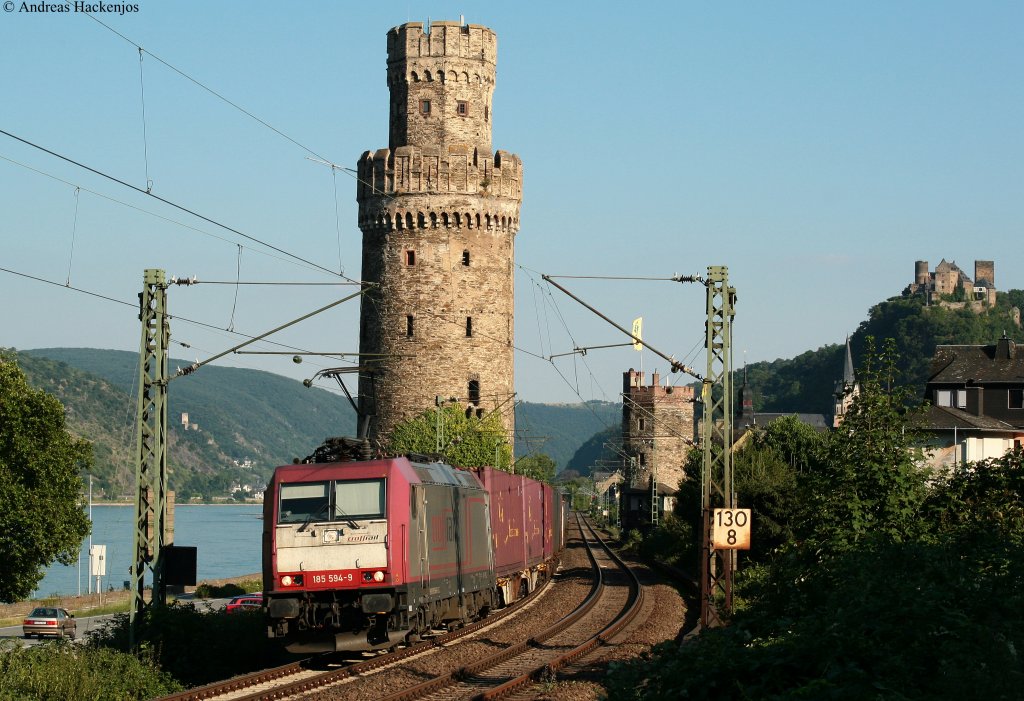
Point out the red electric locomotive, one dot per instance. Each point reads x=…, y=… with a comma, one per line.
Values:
x=365, y=554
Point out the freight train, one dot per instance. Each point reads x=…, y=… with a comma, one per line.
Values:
x=368, y=553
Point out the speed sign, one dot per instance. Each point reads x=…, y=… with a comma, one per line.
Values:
x=730, y=529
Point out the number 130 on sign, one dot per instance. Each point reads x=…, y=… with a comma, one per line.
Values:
x=730, y=529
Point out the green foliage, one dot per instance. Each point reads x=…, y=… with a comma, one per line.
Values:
x=871, y=482
x=797, y=384
x=892, y=586
x=766, y=474
x=467, y=441
x=62, y=670
x=538, y=466
x=40, y=517
x=670, y=543
x=205, y=590
x=197, y=645
x=893, y=621
x=986, y=497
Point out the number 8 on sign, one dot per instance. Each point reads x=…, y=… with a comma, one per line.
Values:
x=730, y=529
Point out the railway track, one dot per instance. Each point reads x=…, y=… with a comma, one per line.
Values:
x=614, y=599
x=304, y=676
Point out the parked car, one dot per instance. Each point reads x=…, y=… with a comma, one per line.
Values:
x=46, y=620
x=245, y=602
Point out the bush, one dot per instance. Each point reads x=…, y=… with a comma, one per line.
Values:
x=61, y=670
x=198, y=646
x=223, y=591
x=894, y=621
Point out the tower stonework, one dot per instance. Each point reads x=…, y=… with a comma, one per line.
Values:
x=439, y=211
x=658, y=429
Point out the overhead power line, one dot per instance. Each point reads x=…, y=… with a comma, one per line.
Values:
x=173, y=204
x=77, y=187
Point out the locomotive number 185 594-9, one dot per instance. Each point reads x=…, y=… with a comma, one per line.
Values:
x=333, y=578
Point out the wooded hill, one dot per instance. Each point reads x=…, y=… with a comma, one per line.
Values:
x=269, y=419
x=240, y=415
x=805, y=383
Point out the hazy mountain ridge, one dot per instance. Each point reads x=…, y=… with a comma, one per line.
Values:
x=241, y=414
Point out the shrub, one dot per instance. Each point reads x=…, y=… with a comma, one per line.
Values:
x=61, y=670
x=198, y=646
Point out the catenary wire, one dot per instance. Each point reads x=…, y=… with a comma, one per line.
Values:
x=171, y=204
x=153, y=214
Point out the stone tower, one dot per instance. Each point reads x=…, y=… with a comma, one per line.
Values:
x=439, y=211
x=658, y=429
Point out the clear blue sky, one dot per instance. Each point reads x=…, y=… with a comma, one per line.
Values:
x=816, y=149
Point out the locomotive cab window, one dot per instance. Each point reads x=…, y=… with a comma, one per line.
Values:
x=342, y=500
x=309, y=500
x=359, y=499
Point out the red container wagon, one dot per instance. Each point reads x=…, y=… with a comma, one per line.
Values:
x=527, y=529
x=364, y=554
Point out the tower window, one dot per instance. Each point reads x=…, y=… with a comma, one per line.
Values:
x=474, y=391
x=1016, y=400
x=424, y=106
x=408, y=326
x=640, y=424
x=469, y=326
x=465, y=258
x=410, y=257
x=462, y=108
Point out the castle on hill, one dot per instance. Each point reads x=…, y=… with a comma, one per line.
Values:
x=949, y=286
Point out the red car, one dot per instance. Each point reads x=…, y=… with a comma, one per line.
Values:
x=245, y=602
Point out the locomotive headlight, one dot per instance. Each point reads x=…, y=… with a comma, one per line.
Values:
x=286, y=580
x=378, y=576
x=330, y=536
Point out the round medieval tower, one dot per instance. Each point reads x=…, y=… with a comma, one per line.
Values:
x=439, y=211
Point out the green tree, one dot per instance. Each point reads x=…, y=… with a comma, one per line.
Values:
x=871, y=482
x=40, y=464
x=467, y=441
x=538, y=466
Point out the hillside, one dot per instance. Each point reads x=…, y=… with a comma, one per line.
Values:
x=240, y=415
x=805, y=383
x=559, y=430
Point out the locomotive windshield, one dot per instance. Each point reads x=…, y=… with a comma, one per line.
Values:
x=331, y=501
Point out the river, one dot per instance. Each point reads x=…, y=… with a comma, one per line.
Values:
x=227, y=537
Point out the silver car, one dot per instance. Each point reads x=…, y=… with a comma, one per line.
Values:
x=46, y=620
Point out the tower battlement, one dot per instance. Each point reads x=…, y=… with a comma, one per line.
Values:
x=442, y=40
x=457, y=169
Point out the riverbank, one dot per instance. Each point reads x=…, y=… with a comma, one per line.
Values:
x=13, y=614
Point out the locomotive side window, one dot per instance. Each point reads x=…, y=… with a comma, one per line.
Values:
x=359, y=499
x=299, y=502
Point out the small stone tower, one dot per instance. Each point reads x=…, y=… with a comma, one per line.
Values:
x=439, y=211
x=658, y=429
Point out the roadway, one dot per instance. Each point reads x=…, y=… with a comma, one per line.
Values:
x=89, y=623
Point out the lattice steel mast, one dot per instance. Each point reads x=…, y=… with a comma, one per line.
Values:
x=151, y=446
x=717, y=566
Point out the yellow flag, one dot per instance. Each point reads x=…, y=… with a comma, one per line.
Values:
x=637, y=324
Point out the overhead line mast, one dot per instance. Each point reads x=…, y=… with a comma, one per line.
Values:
x=718, y=490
